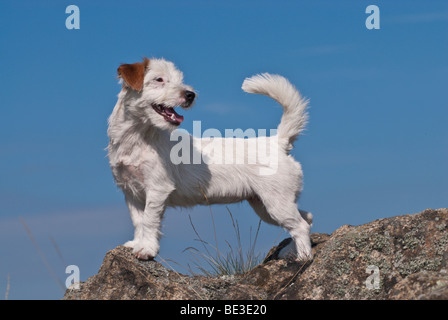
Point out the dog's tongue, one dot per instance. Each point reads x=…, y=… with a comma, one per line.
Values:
x=170, y=112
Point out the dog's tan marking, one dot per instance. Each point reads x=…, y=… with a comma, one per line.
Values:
x=134, y=74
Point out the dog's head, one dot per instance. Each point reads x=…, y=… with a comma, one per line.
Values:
x=152, y=89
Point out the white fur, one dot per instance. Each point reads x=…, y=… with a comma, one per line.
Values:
x=139, y=154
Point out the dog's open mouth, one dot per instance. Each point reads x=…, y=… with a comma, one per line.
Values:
x=168, y=114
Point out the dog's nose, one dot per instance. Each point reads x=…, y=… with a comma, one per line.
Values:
x=189, y=95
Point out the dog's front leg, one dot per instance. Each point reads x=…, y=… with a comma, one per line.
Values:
x=148, y=245
x=136, y=209
x=147, y=224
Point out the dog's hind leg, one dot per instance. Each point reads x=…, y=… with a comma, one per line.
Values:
x=299, y=229
x=280, y=211
x=261, y=210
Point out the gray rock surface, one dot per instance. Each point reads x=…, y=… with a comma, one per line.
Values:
x=402, y=257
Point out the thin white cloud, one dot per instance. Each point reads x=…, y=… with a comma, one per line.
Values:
x=83, y=223
x=420, y=17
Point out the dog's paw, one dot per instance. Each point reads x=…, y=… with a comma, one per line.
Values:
x=144, y=254
x=141, y=255
x=303, y=249
x=130, y=244
x=145, y=251
x=304, y=255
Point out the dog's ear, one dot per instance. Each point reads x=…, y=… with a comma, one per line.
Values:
x=134, y=74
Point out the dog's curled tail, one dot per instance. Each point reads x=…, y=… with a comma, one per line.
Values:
x=295, y=115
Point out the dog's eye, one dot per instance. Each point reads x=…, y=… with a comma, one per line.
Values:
x=159, y=79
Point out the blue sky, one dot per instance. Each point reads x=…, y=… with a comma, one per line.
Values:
x=376, y=145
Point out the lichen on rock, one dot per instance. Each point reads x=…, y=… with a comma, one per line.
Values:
x=408, y=254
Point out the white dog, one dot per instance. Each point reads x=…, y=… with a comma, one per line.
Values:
x=139, y=150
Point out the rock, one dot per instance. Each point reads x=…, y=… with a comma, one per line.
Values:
x=123, y=277
x=403, y=257
x=423, y=285
x=388, y=249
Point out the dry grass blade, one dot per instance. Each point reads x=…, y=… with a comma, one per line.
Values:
x=213, y=221
x=235, y=261
x=42, y=256
x=8, y=287
x=56, y=247
x=292, y=278
x=204, y=243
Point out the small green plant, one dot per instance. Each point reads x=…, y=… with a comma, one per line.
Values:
x=212, y=262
